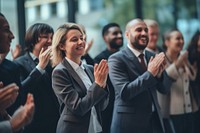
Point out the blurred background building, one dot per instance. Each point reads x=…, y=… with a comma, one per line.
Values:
x=94, y=14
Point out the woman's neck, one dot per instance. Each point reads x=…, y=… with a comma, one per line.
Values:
x=76, y=60
x=171, y=56
x=36, y=53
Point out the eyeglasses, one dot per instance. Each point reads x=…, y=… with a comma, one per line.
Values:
x=46, y=37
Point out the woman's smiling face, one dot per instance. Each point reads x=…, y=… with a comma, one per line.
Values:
x=175, y=42
x=74, y=44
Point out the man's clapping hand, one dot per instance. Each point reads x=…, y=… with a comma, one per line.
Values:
x=23, y=115
x=157, y=64
x=8, y=95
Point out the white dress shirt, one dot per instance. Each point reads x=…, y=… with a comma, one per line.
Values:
x=94, y=126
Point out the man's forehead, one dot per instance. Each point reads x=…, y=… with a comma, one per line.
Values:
x=3, y=22
x=136, y=23
x=114, y=28
x=138, y=26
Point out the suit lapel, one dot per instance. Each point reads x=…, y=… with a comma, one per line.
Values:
x=74, y=74
x=29, y=62
x=136, y=66
x=89, y=73
x=148, y=55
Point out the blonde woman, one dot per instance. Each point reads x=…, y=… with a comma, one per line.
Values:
x=81, y=90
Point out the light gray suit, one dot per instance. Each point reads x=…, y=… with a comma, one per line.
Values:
x=75, y=100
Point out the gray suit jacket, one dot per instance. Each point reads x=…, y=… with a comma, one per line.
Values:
x=135, y=92
x=5, y=127
x=75, y=100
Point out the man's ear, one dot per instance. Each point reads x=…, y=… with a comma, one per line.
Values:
x=127, y=34
x=61, y=46
x=104, y=37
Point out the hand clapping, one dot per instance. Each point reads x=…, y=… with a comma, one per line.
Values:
x=101, y=73
x=23, y=115
x=8, y=95
x=182, y=59
x=44, y=57
x=157, y=64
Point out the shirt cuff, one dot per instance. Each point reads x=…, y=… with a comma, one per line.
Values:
x=42, y=71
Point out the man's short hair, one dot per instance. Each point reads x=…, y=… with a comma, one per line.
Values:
x=107, y=27
x=2, y=15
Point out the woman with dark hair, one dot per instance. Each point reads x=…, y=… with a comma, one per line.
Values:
x=35, y=74
x=179, y=105
x=194, y=57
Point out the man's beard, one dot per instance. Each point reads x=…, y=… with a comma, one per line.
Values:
x=115, y=45
x=138, y=46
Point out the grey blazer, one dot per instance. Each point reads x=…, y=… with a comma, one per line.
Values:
x=75, y=100
x=5, y=127
x=135, y=92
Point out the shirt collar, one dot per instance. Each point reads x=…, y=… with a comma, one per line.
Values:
x=74, y=65
x=155, y=52
x=135, y=52
x=32, y=56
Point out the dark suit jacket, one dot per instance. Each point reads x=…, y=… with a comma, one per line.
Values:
x=135, y=91
x=88, y=59
x=75, y=100
x=103, y=55
x=46, y=103
x=108, y=112
x=10, y=73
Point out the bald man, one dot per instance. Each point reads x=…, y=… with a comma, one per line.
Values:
x=135, y=79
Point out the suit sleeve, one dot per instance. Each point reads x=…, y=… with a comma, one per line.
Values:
x=31, y=79
x=66, y=90
x=126, y=87
x=28, y=79
x=5, y=127
x=129, y=84
x=104, y=102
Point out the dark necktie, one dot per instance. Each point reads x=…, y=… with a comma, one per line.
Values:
x=36, y=61
x=142, y=62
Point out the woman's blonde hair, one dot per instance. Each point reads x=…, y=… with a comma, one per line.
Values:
x=59, y=38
